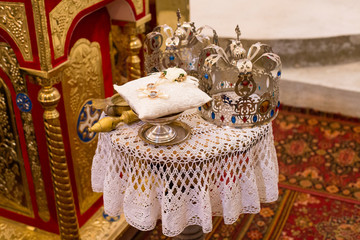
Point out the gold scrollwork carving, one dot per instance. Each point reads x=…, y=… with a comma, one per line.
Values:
x=83, y=81
x=139, y=6
x=13, y=21
x=9, y=64
x=49, y=98
x=14, y=191
x=42, y=36
x=118, y=52
x=11, y=230
x=61, y=18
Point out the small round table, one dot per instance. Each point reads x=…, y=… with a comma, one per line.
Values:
x=216, y=172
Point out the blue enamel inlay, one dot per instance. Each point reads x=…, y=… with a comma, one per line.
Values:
x=109, y=218
x=88, y=116
x=199, y=108
x=272, y=113
x=171, y=57
x=279, y=73
x=222, y=84
x=213, y=115
x=278, y=103
x=23, y=102
x=259, y=87
x=206, y=76
x=255, y=119
x=233, y=119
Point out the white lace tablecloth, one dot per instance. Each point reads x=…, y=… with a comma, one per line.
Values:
x=218, y=171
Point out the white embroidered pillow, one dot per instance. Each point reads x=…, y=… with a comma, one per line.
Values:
x=178, y=96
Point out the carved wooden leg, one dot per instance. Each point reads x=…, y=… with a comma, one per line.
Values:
x=193, y=232
x=49, y=98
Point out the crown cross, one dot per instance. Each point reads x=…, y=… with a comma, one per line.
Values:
x=178, y=14
x=216, y=38
x=238, y=32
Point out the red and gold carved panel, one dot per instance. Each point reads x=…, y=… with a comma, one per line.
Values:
x=14, y=190
x=83, y=81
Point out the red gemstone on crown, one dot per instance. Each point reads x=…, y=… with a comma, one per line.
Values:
x=244, y=119
x=222, y=118
x=245, y=83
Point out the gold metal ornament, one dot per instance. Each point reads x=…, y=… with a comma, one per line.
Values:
x=112, y=106
x=97, y=227
x=49, y=97
x=133, y=62
x=83, y=82
x=9, y=64
x=11, y=230
x=139, y=6
x=14, y=190
x=42, y=36
x=14, y=22
x=108, y=124
x=118, y=45
x=61, y=18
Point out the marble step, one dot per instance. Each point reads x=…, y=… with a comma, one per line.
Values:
x=304, y=33
x=311, y=52
x=331, y=88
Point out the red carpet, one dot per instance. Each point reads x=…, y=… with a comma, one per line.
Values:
x=319, y=153
x=319, y=162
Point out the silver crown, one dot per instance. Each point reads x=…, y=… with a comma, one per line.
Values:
x=244, y=86
x=164, y=47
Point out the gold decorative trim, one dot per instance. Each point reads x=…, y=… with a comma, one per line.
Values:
x=49, y=98
x=14, y=190
x=42, y=36
x=61, y=18
x=9, y=64
x=11, y=230
x=46, y=78
x=97, y=227
x=139, y=7
x=118, y=46
x=14, y=22
x=83, y=81
x=133, y=61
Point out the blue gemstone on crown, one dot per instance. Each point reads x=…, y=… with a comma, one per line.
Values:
x=255, y=119
x=248, y=77
x=233, y=119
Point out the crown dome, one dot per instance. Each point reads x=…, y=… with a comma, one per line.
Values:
x=244, y=87
x=244, y=84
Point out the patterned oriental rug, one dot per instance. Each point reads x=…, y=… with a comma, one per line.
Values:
x=319, y=163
